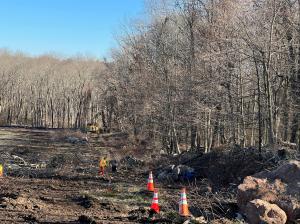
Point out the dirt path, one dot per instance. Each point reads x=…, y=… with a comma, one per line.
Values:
x=70, y=192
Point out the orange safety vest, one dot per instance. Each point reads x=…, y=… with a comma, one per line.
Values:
x=102, y=163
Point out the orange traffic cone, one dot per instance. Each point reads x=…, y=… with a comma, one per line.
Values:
x=183, y=205
x=150, y=185
x=154, y=205
x=1, y=170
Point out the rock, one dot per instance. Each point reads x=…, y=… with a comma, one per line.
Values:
x=253, y=188
x=288, y=173
x=280, y=187
x=291, y=206
x=259, y=211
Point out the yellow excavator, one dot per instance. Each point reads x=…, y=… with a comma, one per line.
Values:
x=94, y=127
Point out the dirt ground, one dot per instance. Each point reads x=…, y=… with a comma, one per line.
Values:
x=70, y=190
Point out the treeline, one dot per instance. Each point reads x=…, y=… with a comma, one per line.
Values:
x=203, y=73
x=197, y=74
x=50, y=92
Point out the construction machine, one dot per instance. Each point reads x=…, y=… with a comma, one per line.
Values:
x=93, y=128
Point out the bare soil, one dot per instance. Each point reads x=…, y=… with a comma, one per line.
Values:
x=69, y=189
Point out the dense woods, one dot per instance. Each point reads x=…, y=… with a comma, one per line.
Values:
x=196, y=75
x=47, y=92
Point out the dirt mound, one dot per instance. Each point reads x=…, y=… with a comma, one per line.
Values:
x=224, y=168
x=227, y=167
x=279, y=187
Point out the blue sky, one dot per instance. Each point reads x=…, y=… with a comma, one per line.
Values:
x=66, y=27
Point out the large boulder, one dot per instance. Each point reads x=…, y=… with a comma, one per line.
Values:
x=259, y=211
x=253, y=188
x=289, y=173
x=280, y=187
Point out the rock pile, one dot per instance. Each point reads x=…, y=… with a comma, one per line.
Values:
x=272, y=197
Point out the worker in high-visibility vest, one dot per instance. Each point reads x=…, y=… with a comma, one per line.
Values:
x=1, y=170
x=102, y=165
